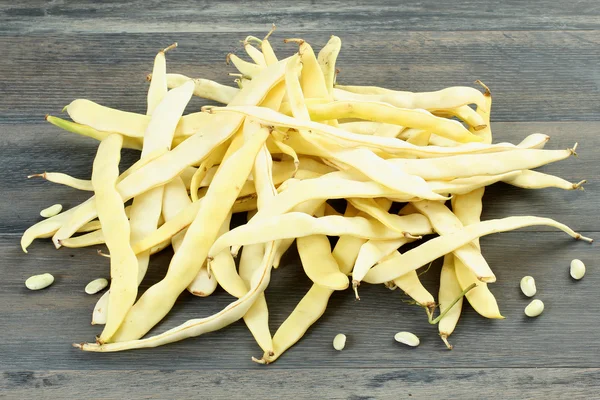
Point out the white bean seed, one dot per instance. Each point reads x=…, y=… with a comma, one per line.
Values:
x=534, y=308
x=51, y=211
x=528, y=286
x=38, y=282
x=577, y=269
x=407, y=338
x=96, y=285
x=339, y=341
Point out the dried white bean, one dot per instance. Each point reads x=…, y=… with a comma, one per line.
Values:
x=534, y=308
x=339, y=341
x=51, y=211
x=96, y=285
x=577, y=269
x=407, y=338
x=528, y=286
x=38, y=282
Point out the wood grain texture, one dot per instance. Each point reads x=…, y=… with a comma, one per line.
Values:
x=39, y=327
x=534, y=76
x=542, y=63
x=350, y=384
x=232, y=16
x=29, y=149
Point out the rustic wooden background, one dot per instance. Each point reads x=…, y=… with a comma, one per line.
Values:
x=542, y=62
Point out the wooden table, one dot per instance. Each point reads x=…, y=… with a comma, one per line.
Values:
x=541, y=60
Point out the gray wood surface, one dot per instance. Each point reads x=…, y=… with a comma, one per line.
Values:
x=542, y=62
x=302, y=15
x=556, y=71
x=348, y=383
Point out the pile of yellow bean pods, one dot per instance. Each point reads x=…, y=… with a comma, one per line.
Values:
x=281, y=144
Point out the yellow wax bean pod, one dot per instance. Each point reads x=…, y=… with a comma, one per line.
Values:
x=157, y=301
x=204, y=88
x=420, y=138
x=445, y=222
x=481, y=298
x=295, y=224
x=413, y=222
x=166, y=113
x=134, y=125
x=450, y=290
x=347, y=247
x=456, y=106
x=314, y=165
x=84, y=130
x=383, y=112
x=411, y=285
x=257, y=317
x=289, y=151
x=451, y=97
x=308, y=207
x=95, y=225
x=385, y=173
x=186, y=176
x=311, y=80
x=475, y=120
x=466, y=185
x=215, y=157
x=390, y=130
x=411, y=225
x=302, y=175
x=275, y=97
x=223, y=270
x=326, y=59
x=174, y=199
x=67, y=180
x=267, y=49
x=204, y=284
x=437, y=247
x=348, y=139
x=318, y=263
x=362, y=127
x=373, y=251
x=197, y=327
x=247, y=69
x=196, y=149
x=346, y=250
x=111, y=213
x=183, y=219
x=490, y=164
x=467, y=208
x=226, y=272
x=533, y=141
x=307, y=312
x=538, y=180
x=484, y=110
x=369, y=90
x=89, y=239
x=50, y=226
x=435, y=140
x=255, y=54
x=158, y=86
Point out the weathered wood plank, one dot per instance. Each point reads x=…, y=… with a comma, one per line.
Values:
x=39, y=326
x=534, y=76
x=352, y=384
x=230, y=16
x=28, y=149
